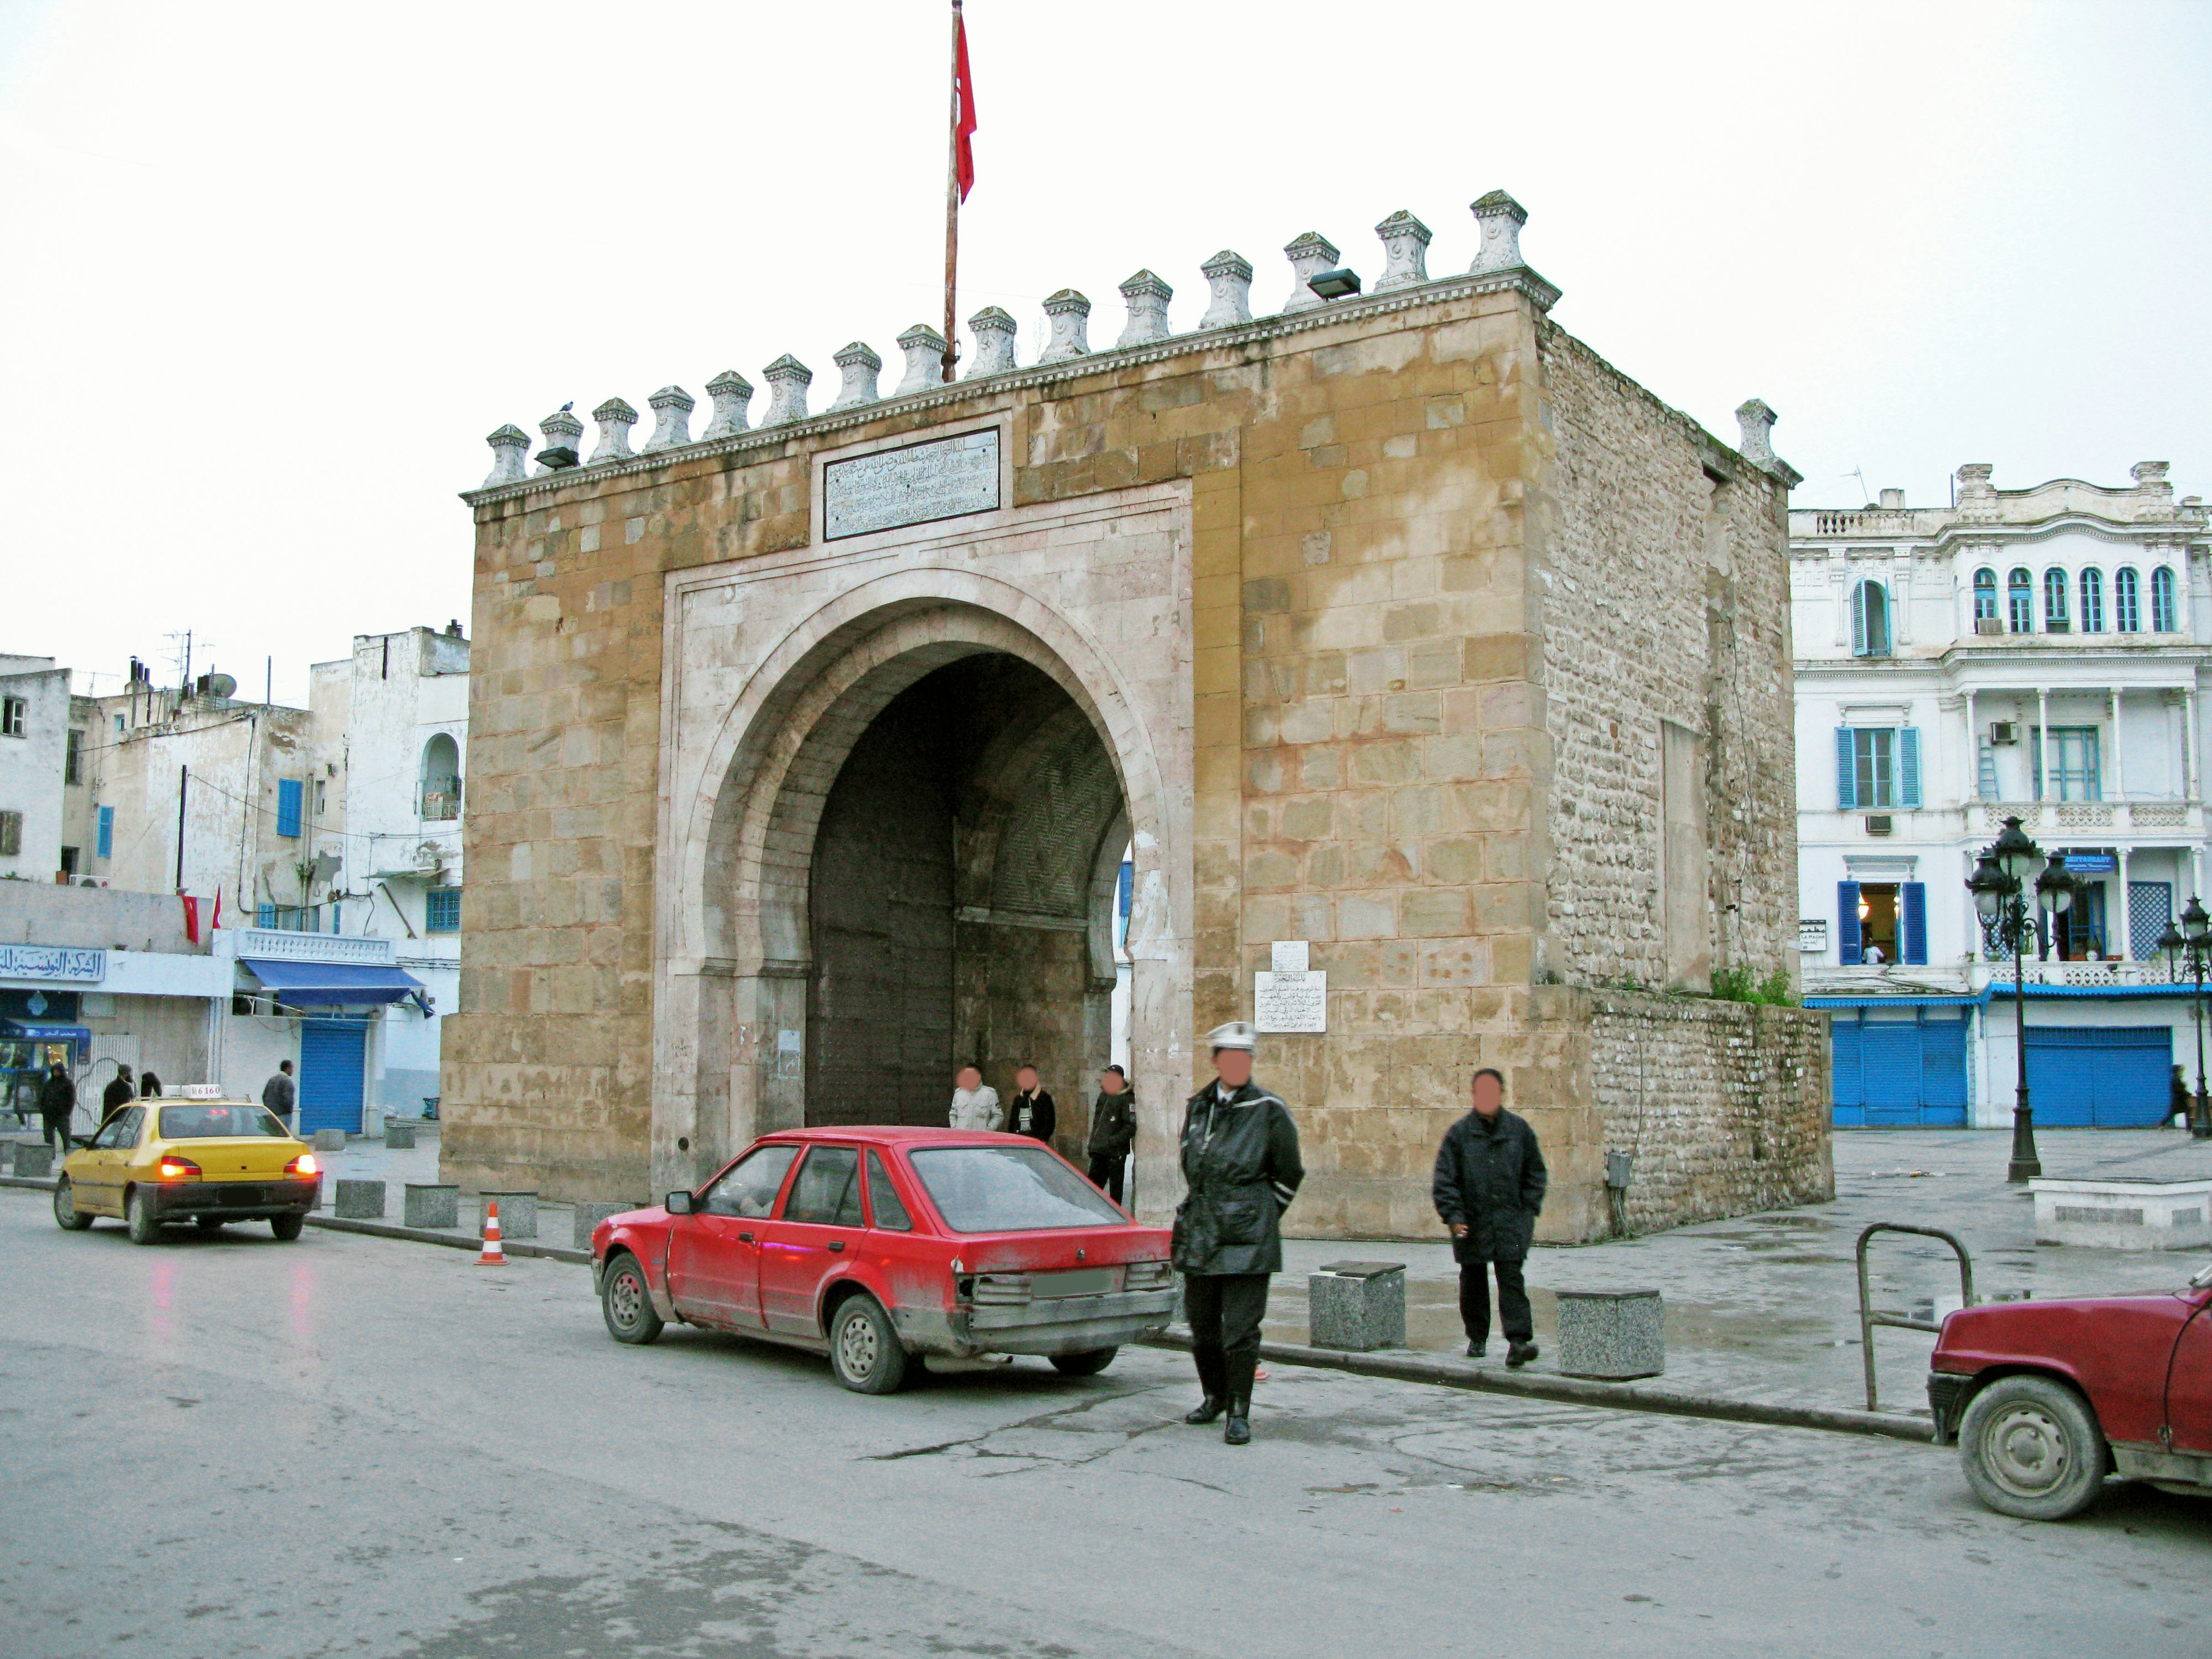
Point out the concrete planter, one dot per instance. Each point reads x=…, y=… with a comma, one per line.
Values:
x=399, y=1137
x=1358, y=1306
x=1612, y=1334
x=518, y=1212
x=588, y=1217
x=360, y=1201
x=428, y=1203
x=2124, y=1214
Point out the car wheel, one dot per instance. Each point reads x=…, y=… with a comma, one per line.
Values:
x=1089, y=1362
x=2032, y=1449
x=286, y=1227
x=626, y=1304
x=145, y=1228
x=864, y=1349
x=66, y=1212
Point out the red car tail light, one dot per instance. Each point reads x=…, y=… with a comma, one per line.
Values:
x=1001, y=1289
x=303, y=1166
x=1149, y=1276
x=172, y=1168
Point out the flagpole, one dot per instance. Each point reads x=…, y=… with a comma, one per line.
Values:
x=952, y=197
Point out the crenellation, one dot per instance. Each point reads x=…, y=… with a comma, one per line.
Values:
x=862, y=370
x=671, y=418
x=1405, y=252
x=1067, y=317
x=995, y=331
x=1147, y=297
x=1310, y=255
x=925, y=360
x=732, y=394
x=787, y=379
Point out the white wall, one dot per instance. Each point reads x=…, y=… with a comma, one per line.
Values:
x=31, y=765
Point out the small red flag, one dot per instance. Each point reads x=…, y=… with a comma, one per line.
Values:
x=192, y=918
x=963, y=121
x=214, y=922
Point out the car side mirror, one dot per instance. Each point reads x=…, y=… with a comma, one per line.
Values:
x=677, y=1204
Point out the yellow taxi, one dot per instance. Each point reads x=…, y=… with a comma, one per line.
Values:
x=196, y=1157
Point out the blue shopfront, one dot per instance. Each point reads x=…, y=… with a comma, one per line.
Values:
x=337, y=1006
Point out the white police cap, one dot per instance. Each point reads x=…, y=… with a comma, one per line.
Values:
x=1237, y=1034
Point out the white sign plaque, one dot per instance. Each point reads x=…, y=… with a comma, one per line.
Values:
x=1289, y=1002
x=55, y=962
x=1812, y=933
x=1290, y=955
x=917, y=484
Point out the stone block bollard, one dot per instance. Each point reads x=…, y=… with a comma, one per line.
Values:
x=33, y=1159
x=518, y=1213
x=360, y=1201
x=588, y=1217
x=1612, y=1334
x=330, y=1140
x=1358, y=1306
x=428, y=1203
x=399, y=1137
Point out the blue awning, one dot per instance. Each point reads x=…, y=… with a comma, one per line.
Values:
x=1899, y=1002
x=334, y=984
x=2003, y=988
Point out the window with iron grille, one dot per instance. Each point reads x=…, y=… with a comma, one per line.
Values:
x=442, y=910
x=73, y=757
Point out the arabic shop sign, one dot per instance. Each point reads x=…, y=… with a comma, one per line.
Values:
x=53, y=962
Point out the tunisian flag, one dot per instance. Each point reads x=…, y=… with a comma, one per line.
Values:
x=963, y=114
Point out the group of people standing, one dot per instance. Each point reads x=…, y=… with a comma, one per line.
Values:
x=57, y=1099
x=976, y=1105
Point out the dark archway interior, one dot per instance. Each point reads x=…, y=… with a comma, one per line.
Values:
x=954, y=896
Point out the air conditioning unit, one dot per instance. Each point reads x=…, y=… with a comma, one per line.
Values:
x=1879, y=824
x=2004, y=731
x=1989, y=625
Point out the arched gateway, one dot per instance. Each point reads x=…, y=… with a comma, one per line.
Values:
x=1396, y=636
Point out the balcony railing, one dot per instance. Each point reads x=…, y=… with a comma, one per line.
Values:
x=2120, y=815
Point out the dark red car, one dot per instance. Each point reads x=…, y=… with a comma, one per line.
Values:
x=2045, y=1399
x=878, y=1246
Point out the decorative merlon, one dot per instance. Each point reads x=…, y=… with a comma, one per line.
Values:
x=563, y=432
x=1500, y=218
x=787, y=380
x=860, y=366
x=1147, y=297
x=510, y=449
x=1405, y=252
x=1229, y=282
x=616, y=418
x=1067, y=314
x=671, y=418
x=732, y=394
x=2151, y=475
x=925, y=360
x=1756, y=422
x=1310, y=255
x=994, y=330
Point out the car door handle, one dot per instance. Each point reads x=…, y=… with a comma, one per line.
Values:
x=837, y=1243
x=745, y=1238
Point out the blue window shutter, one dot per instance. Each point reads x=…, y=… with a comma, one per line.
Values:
x=1847, y=777
x=265, y=915
x=1908, y=766
x=1913, y=896
x=288, y=806
x=1859, y=620
x=1848, y=948
x=107, y=840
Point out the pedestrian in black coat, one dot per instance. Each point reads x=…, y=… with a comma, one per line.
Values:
x=1113, y=1131
x=1031, y=1112
x=1241, y=1164
x=57, y=1104
x=120, y=1092
x=1489, y=1188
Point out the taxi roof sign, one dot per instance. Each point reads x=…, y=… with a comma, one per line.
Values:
x=201, y=1092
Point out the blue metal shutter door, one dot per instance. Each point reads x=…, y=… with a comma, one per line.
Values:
x=1943, y=1074
x=1889, y=1063
x=1844, y=1071
x=2108, y=1076
x=334, y=1066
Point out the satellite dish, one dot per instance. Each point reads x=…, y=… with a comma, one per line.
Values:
x=221, y=685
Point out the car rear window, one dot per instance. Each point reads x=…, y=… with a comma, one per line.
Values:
x=1009, y=1189
x=212, y=1122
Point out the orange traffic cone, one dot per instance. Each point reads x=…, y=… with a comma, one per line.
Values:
x=493, y=1256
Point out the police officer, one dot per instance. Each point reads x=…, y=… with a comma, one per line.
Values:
x=1240, y=1162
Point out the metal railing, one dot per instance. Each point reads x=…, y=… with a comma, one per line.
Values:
x=1870, y=1316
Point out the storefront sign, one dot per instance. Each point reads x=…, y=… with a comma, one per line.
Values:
x=1812, y=933
x=53, y=962
x=918, y=483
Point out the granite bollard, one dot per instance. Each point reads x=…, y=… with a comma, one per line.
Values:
x=330, y=1140
x=1358, y=1306
x=399, y=1137
x=360, y=1200
x=518, y=1212
x=430, y=1204
x=33, y=1159
x=588, y=1217
x=1612, y=1335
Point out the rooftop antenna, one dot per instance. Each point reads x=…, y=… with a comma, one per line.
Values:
x=1860, y=474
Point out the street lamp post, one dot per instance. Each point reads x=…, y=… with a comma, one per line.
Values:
x=1999, y=885
x=2190, y=946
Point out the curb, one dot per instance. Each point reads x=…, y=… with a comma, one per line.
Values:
x=1404, y=1367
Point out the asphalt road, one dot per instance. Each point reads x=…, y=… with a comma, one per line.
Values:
x=362, y=1447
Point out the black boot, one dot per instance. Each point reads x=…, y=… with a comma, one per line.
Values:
x=1207, y=1409
x=1237, y=1431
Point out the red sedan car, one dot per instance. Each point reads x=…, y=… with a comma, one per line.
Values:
x=878, y=1246
x=2045, y=1399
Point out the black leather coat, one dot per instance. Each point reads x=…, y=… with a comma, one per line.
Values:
x=1489, y=1175
x=1240, y=1160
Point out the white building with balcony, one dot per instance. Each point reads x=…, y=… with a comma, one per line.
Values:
x=2039, y=653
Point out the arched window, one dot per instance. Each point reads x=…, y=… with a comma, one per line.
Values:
x=2162, y=617
x=2127, y=601
x=2020, y=599
x=440, y=793
x=2092, y=601
x=1870, y=620
x=1986, y=594
x=2054, y=601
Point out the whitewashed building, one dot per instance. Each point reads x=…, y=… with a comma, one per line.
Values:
x=35, y=726
x=2039, y=653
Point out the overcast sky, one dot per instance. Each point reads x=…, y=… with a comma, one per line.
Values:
x=275, y=269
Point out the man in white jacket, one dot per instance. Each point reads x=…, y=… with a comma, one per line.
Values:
x=975, y=1103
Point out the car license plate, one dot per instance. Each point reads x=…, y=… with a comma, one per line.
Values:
x=241, y=1195
x=1095, y=1282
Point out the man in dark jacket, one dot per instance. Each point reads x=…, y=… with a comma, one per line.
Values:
x=1113, y=1131
x=1240, y=1162
x=120, y=1092
x=57, y=1103
x=1489, y=1188
x=279, y=1096
x=1031, y=1112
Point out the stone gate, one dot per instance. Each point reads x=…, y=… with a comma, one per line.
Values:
x=803, y=756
